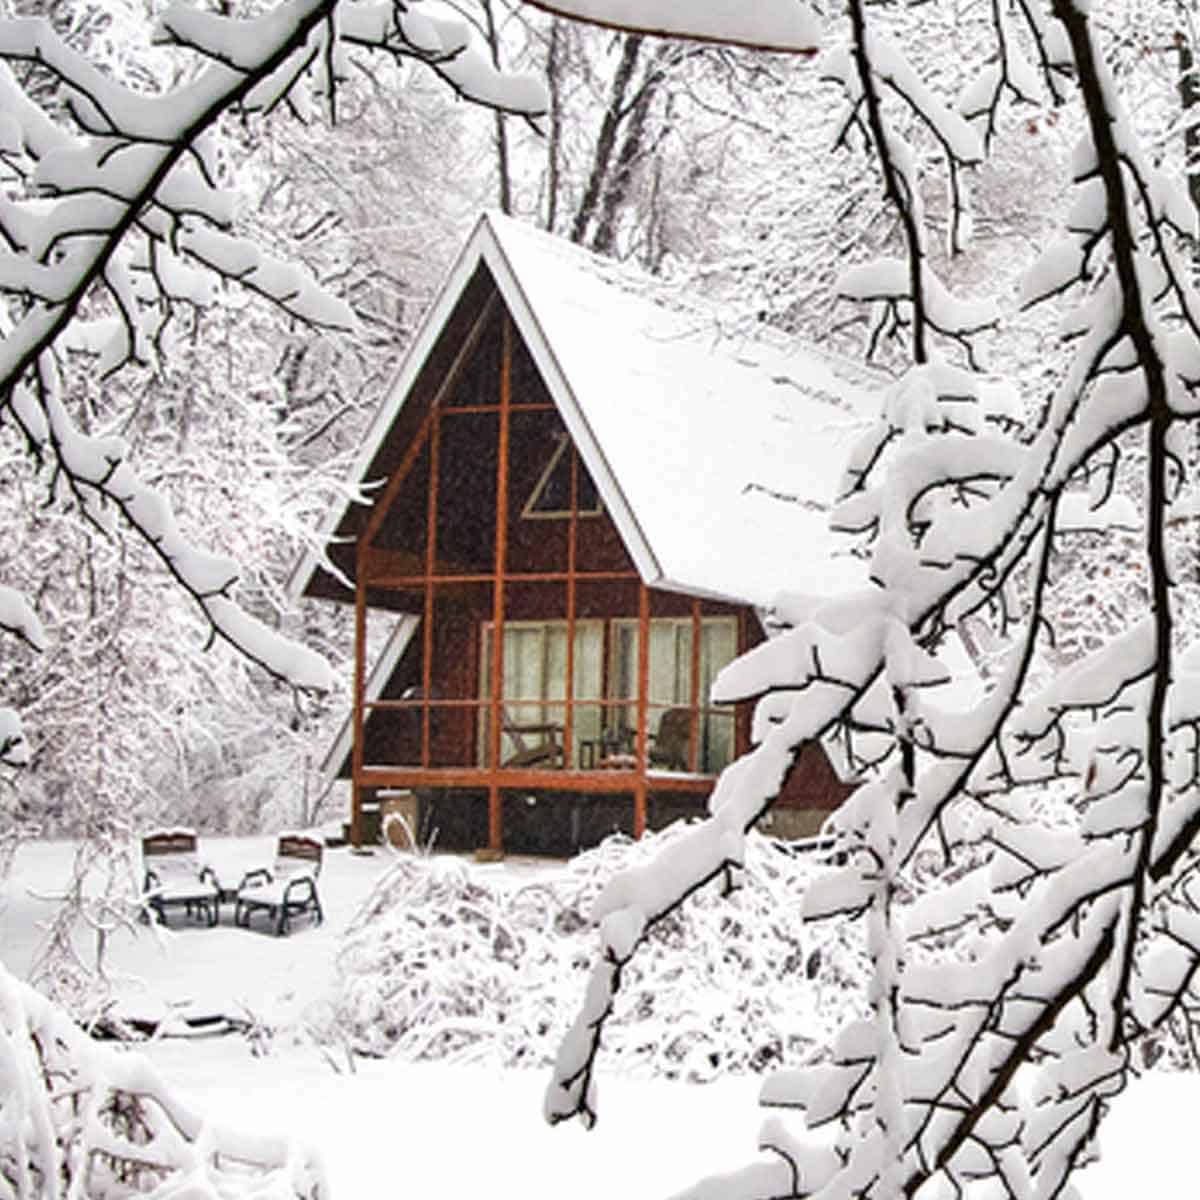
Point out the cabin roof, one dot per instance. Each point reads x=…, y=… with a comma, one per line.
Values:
x=716, y=462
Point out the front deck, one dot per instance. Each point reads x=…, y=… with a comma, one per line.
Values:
x=538, y=662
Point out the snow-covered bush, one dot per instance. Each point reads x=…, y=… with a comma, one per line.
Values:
x=80, y=1119
x=450, y=960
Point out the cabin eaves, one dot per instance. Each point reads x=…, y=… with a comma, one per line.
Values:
x=717, y=466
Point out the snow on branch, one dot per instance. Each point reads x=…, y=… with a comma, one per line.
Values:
x=14, y=749
x=445, y=962
x=17, y=617
x=77, y=1118
x=1023, y=863
x=780, y=25
x=115, y=218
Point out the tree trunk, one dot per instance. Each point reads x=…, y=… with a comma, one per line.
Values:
x=500, y=136
x=614, y=114
x=554, y=67
x=617, y=190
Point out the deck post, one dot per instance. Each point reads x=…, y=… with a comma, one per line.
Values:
x=360, y=673
x=495, y=815
x=643, y=710
x=431, y=516
x=569, y=683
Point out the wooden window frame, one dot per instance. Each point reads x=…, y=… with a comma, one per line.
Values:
x=530, y=513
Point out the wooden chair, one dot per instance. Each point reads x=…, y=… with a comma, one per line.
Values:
x=669, y=746
x=288, y=889
x=535, y=744
x=175, y=877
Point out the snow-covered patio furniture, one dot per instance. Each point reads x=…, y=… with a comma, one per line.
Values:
x=176, y=877
x=288, y=889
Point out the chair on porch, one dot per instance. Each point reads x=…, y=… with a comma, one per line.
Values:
x=669, y=746
x=535, y=743
x=288, y=889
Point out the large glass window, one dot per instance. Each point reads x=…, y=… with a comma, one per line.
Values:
x=604, y=719
x=534, y=710
x=673, y=727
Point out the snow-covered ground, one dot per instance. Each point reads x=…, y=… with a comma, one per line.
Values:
x=472, y=1129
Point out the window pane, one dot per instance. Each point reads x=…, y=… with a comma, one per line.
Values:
x=523, y=663
x=716, y=741
x=718, y=645
x=589, y=665
x=670, y=662
x=554, y=679
x=624, y=663
x=535, y=677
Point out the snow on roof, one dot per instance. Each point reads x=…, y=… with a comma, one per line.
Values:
x=717, y=462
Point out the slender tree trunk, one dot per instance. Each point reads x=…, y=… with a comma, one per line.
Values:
x=500, y=136
x=614, y=114
x=554, y=67
x=630, y=153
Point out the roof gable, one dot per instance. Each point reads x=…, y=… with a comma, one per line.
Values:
x=716, y=467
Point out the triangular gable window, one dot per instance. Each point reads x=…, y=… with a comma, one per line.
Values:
x=551, y=495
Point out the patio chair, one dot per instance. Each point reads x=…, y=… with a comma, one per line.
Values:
x=175, y=877
x=535, y=744
x=669, y=746
x=288, y=889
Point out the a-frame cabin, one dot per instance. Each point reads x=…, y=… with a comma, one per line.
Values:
x=581, y=507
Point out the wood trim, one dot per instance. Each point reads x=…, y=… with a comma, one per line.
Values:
x=382, y=506
x=409, y=705
x=360, y=685
x=566, y=445
x=643, y=698
x=694, y=691
x=533, y=780
x=742, y=713
x=495, y=814
x=398, y=581
x=454, y=410
x=431, y=516
x=569, y=688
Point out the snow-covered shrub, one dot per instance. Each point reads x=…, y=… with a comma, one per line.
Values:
x=81, y=1119
x=449, y=960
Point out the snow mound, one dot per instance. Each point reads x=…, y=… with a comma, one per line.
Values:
x=448, y=961
x=79, y=1119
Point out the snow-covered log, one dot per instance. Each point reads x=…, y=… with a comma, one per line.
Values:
x=78, y=1118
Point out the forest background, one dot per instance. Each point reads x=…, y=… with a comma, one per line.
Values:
x=708, y=168
x=659, y=152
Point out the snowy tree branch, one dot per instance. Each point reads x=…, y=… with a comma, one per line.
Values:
x=1059, y=944
x=128, y=212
